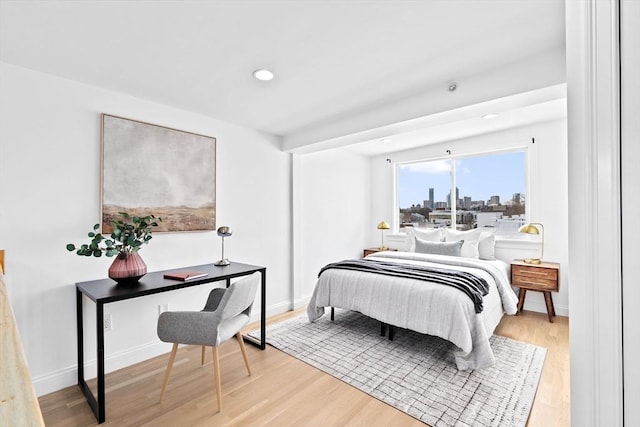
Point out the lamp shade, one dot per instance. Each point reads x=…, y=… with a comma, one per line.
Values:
x=529, y=229
x=224, y=231
x=383, y=226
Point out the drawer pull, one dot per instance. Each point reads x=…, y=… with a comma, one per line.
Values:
x=527, y=282
x=534, y=272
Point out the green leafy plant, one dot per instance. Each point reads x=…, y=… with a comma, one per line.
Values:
x=128, y=235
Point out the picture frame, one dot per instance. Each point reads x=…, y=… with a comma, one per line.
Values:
x=148, y=169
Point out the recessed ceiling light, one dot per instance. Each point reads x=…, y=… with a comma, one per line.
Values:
x=262, y=74
x=385, y=140
x=490, y=116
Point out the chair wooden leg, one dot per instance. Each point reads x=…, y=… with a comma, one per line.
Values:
x=202, y=357
x=216, y=369
x=172, y=358
x=244, y=351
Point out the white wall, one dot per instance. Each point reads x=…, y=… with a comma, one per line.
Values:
x=50, y=196
x=334, y=207
x=546, y=196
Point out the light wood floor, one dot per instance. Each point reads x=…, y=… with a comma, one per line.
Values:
x=284, y=391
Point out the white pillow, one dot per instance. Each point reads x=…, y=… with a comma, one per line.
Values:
x=409, y=241
x=487, y=245
x=429, y=235
x=470, y=237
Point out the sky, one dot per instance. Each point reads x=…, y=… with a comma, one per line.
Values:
x=479, y=177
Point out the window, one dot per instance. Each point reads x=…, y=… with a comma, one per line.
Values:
x=464, y=192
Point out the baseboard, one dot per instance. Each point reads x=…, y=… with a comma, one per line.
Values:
x=68, y=376
x=62, y=378
x=300, y=302
x=272, y=310
x=561, y=310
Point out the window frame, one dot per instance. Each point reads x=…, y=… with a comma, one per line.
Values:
x=454, y=158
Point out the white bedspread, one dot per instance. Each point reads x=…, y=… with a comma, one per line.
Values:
x=421, y=306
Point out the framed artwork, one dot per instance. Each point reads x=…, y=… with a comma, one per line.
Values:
x=150, y=169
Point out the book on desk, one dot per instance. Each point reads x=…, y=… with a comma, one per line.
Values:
x=184, y=275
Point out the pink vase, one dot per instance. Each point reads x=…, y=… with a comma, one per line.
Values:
x=127, y=269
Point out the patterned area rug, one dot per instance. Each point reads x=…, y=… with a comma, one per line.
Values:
x=416, y=373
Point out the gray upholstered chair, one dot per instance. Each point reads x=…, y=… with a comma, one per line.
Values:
x=224, y=314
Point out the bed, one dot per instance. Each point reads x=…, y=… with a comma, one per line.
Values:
x=423, y=306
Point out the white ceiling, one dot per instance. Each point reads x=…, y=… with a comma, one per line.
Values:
x=523, y=109
x=332, y=59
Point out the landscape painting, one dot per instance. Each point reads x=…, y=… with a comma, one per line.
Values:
x=154, y=170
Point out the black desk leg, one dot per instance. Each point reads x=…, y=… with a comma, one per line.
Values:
x=80, y=337
x=263, y=311
x=100, y=357
x=262, y=344
x=97, y=406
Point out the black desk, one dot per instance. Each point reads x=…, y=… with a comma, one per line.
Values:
x=106, y=290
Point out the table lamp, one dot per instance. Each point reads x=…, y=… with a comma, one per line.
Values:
x=223, y=232
x=382, y=226
x=533, y=229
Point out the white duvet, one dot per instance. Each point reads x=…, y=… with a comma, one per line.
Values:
x=421, y=306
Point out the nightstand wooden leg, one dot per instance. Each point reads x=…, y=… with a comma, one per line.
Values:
x=383, y=328
x=522, y=293
x=333, y=313
x=551, y=311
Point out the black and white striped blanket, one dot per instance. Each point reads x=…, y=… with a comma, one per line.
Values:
x=474, y=287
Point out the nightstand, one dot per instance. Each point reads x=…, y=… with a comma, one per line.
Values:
x=370, y=251
x=543, y=277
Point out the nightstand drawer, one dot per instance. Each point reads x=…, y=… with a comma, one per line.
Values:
x=540, y=272
x=535, y=282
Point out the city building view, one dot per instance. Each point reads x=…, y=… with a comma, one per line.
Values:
x=492, y=196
